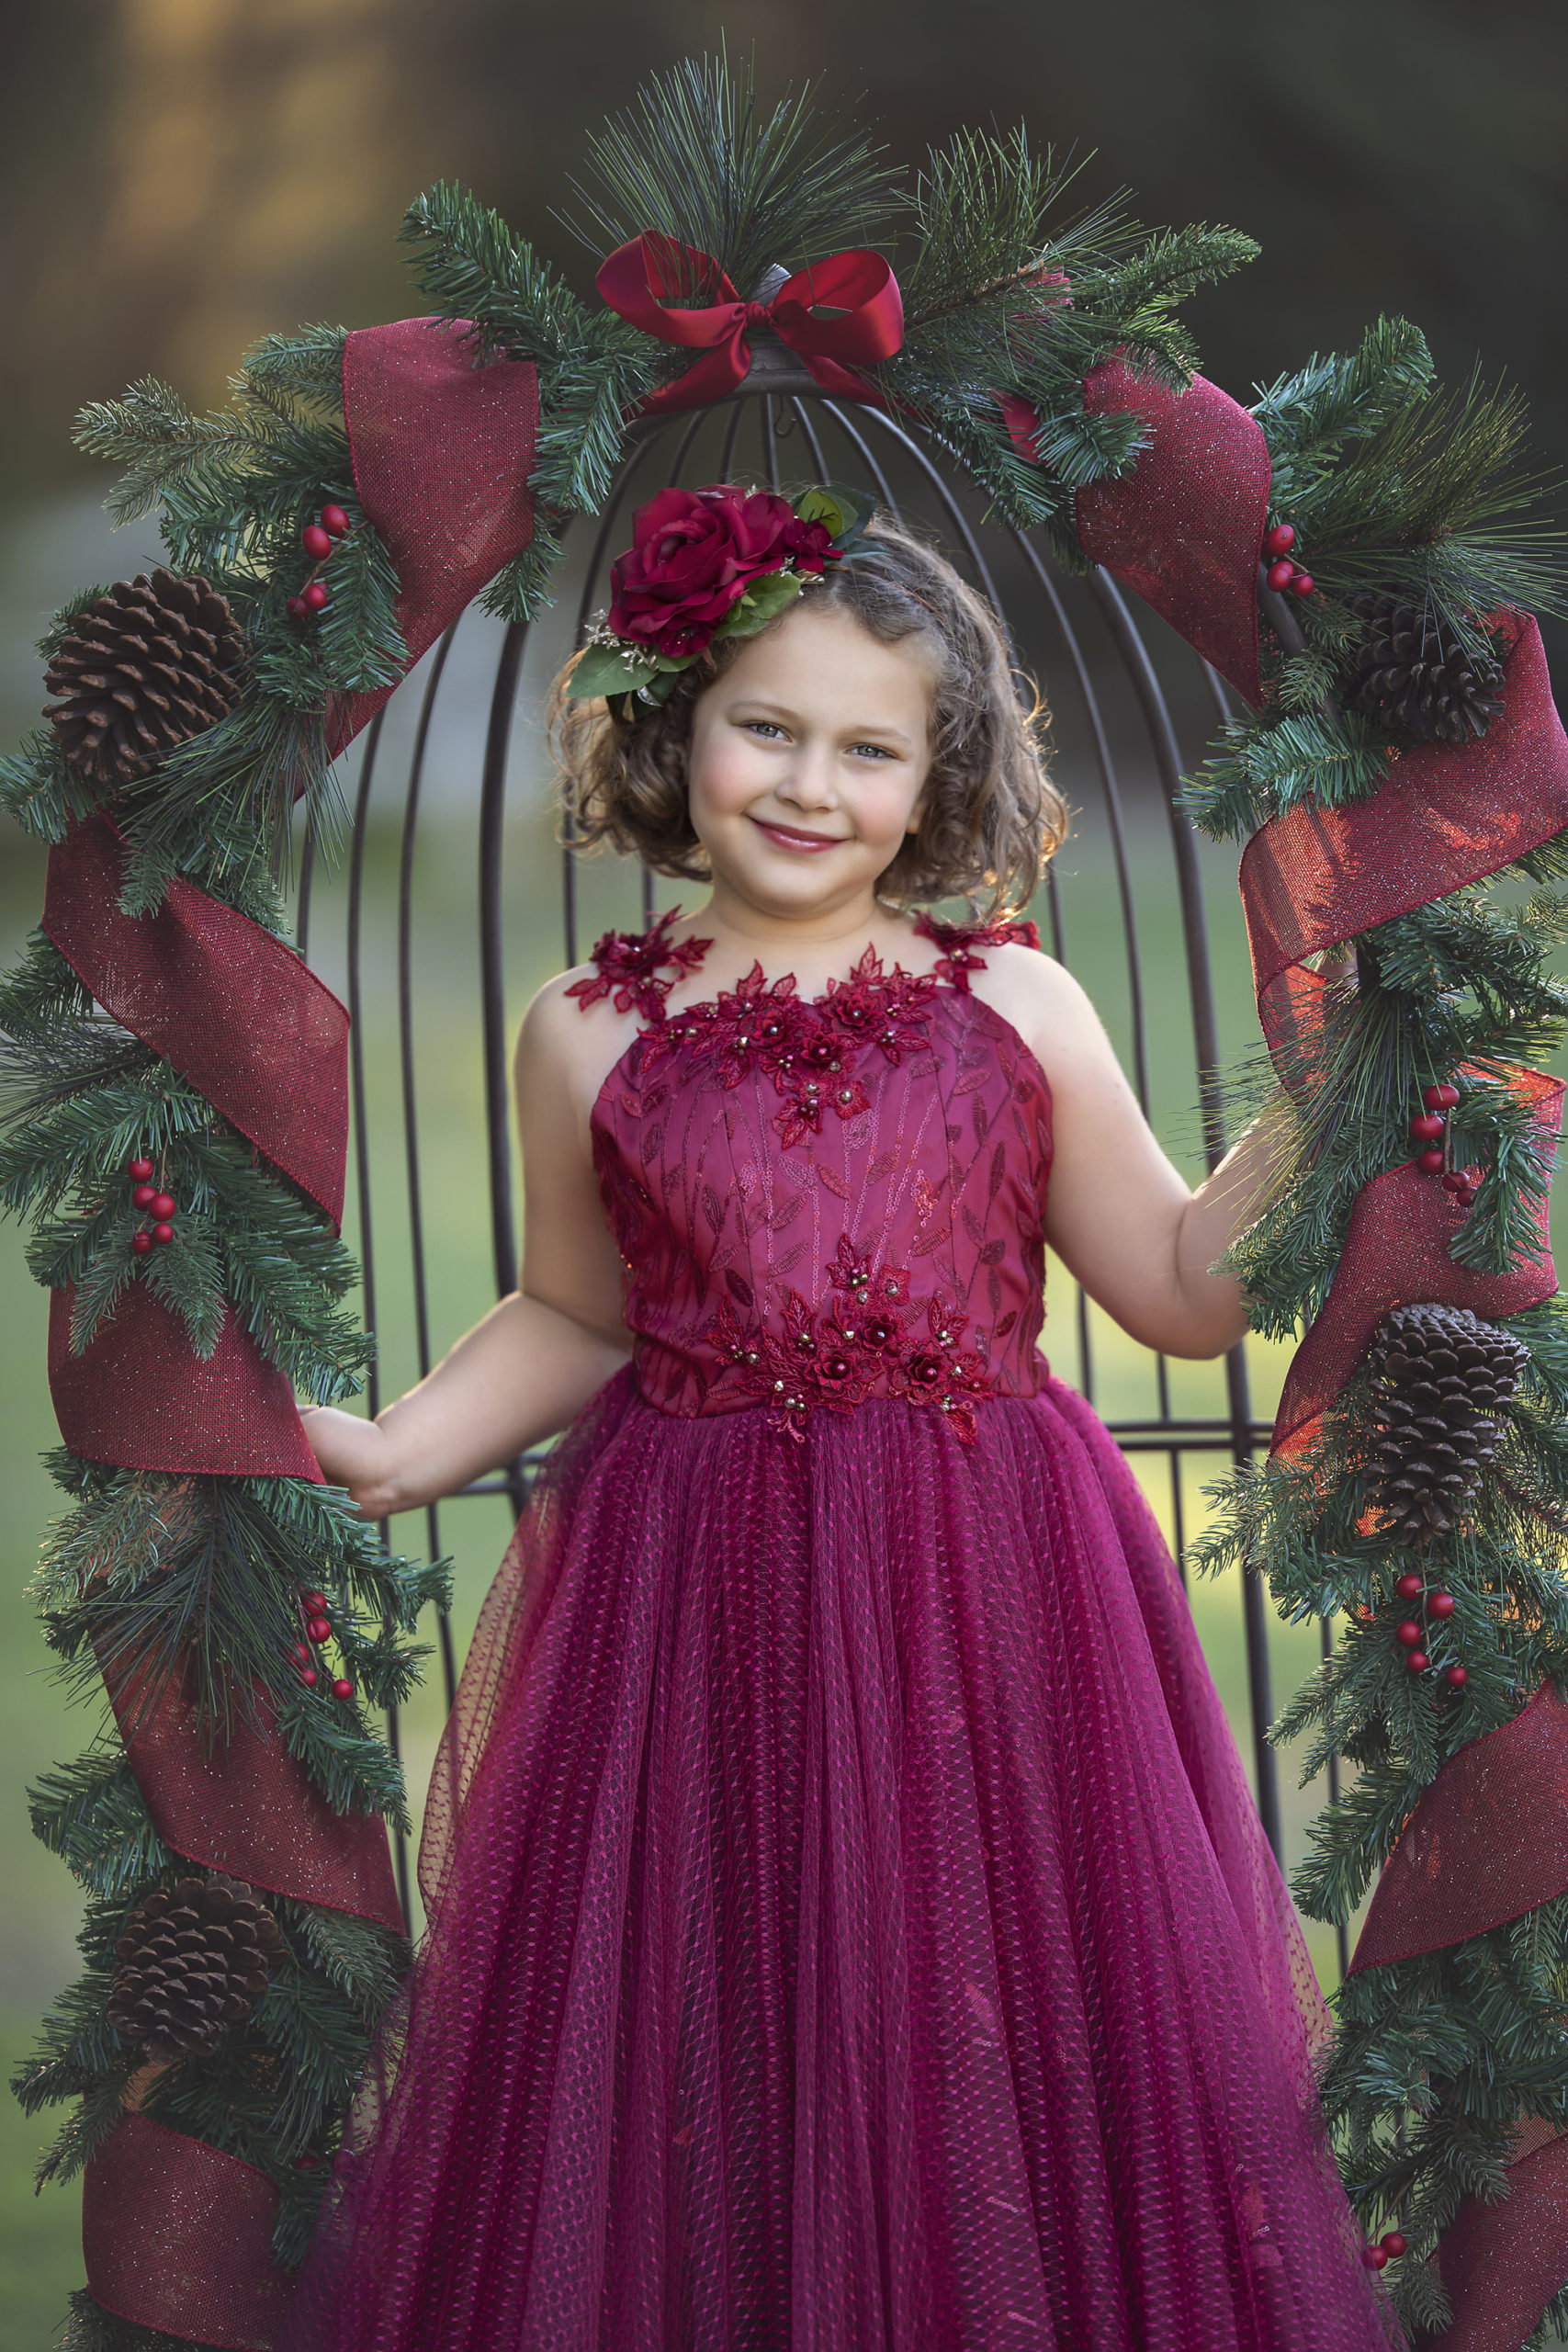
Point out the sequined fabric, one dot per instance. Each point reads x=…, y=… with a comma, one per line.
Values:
x=850, y=1928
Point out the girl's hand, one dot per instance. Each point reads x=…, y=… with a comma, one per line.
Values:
x=351, y=1453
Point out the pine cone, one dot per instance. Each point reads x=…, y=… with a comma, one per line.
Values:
x=1412, y=673
x=149, y=664
x=1441, y=1375
x=193, y=1961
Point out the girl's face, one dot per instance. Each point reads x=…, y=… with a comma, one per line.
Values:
x=806, y=763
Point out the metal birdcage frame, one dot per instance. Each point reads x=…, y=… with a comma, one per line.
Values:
x=779, y=400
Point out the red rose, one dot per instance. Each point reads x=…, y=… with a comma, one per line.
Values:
x=693, y=552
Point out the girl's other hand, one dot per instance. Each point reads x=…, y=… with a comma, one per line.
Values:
x=351, y=1453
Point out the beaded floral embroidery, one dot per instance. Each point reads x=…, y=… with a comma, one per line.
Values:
x=628, y=961
x=812, y=1049
x=835, y=1357
x=960, y=939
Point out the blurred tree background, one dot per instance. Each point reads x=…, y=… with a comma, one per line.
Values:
x=185, y=176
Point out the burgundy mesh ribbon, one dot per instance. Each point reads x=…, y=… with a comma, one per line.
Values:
x=1185, y=527
x=1396, y=1254
x=1488, y=1840
x=138, y=1396
x=442, y=452
x=1501, y=2264
x=176, y=2235
x=237, y=1013
x=247, y=1806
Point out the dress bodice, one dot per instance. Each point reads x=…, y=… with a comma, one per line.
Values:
x=821, y=1201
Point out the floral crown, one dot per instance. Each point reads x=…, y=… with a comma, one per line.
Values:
x=703, y=564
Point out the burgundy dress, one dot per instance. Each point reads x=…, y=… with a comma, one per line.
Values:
x=850, y=1930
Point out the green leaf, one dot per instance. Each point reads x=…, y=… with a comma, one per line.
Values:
x=605, y=669
x=762, y=602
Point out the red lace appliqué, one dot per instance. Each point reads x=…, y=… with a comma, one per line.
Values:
x=811, y=1050
x=835, y=1357
x=959, y=940
x=628, y=961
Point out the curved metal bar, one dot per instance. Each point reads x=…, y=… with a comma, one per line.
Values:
x=731, y=435
x=1205, y=1031
x=362, y=1174
x=306, y=875
x=411, y=1119
x=859, y=442
x=802, y=418
x=492, y=807
x=770, y=444
x=1218, y=690
x=684, y=449
x=1111, y=795
x=955, y=513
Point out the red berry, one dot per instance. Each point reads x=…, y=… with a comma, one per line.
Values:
x=1392, y=2244
x=1303, y=584
x=301, y=1653
x=140, y=1169
x=163, y=1233
x=1468, y=1198
x=1409, y=1586
x=1427, y=1128
x=161, y=1205
x=1417, y=1661
x=1454, y=1183
x=308, y=1677
x=296, y=608
x=1458, y=1676
x=334, y=520
x=1446, y=1097
x=1374, y=2257
x=316, y=542
x=1280, y=539
x=1409, y=1634
x=319, y=1629
x=1280, y=575
x=1430, y=1163
x=141, y=1243
x=304, y=2164
x=342, y=1690
x=315, y=1604
x=315, y=596
x=1439, y=1604
x=144, y=1196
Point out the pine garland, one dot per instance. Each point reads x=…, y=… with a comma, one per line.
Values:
x=148, y=1575
x=1436, y=2060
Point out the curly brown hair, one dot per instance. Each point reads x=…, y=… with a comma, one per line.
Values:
x=990, y=819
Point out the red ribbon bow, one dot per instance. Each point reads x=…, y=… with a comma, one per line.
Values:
x=858, y=285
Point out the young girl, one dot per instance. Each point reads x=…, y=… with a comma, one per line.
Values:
x=849, y=1924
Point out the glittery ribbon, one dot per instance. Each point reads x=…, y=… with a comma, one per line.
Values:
x=1185, y=525
x=442, y=450
x=178, y=2236
x=236, y=1011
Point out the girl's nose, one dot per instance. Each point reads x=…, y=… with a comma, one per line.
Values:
x=810, y=781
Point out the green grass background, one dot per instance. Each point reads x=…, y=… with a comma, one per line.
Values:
x=39, y=2254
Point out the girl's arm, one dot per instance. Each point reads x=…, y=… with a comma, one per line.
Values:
x=531, y=1365
x=1120, y=1216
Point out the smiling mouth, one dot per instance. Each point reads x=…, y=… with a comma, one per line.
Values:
x=794, y=838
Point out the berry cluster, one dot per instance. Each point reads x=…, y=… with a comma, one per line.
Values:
x=153, y=1202
x=319, y=1629
x=1439, y=1606
x=318, y=540
x=1282, y=572
x=1387, y=2249
x=1430, y=1130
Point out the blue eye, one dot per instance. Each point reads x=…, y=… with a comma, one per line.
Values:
x=762, y=727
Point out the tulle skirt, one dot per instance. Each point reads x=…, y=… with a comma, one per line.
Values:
x=850, y=1930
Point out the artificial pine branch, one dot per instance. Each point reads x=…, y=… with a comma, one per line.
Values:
x=696, y=158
